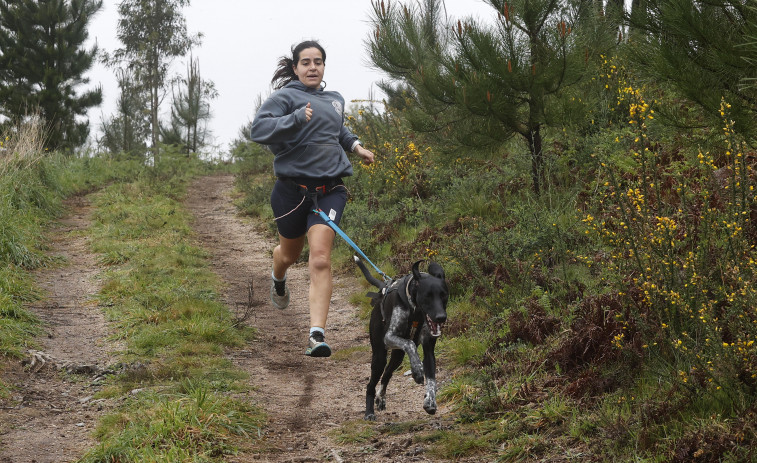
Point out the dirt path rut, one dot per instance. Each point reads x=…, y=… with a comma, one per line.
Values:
x=51, y=414
x=304, y=397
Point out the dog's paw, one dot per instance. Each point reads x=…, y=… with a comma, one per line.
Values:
x=380, y=404
x=429, y=403
x=370, y=417
x=429, y=406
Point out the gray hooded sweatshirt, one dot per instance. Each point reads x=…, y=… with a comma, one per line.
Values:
x=314, y=149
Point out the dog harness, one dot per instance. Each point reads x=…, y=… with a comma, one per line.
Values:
x=402, y=287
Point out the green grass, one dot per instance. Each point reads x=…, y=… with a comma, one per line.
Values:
x=188, y=423
x=354, y=432
x=394, y=428
x=459, y=442
x=18, y=327
x=462, y=350
x=164, y=300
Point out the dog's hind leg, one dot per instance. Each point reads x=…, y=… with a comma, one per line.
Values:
x=378, y=362
x=395, y=360
x=429, y=371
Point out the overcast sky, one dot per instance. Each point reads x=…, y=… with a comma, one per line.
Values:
x=243, y=40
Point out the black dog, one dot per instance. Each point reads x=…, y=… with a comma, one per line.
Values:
x=408, y=312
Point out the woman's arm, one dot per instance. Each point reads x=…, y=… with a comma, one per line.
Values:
x=273, y=125
x=348, y=141
x=365, y=154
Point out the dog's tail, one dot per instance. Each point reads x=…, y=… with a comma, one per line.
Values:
x=371, y=279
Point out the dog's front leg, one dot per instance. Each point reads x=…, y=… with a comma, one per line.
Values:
x=393, y=340
x=429, y=369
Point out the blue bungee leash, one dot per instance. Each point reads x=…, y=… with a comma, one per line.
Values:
x=346, y=238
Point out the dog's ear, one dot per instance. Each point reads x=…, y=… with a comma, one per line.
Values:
x=416, y=271
x=436, y=270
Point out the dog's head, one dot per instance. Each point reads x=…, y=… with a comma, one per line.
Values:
x=431, y=295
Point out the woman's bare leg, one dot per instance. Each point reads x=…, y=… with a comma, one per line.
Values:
x=320, y=240
x=286, y=254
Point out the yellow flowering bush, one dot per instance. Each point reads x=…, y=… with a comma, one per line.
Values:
x=680, y=237
x=400, y=163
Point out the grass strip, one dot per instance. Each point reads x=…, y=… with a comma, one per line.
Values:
x=163, y=300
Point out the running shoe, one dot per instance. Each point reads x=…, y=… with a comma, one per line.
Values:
x=279, y=294
x=317, y=346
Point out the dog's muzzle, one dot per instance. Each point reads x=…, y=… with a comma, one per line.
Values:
x=434, y=328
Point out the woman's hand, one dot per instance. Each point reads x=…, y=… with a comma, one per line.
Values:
x=308, y=112
x=365, y=154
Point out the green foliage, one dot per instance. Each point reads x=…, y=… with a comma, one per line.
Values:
x=127, y=131
x=17, y=325
x=453, y=444
x=42, y=62
x=706, y=50
x=679, y=223
x=190, y=108
x=85, y=174
x=480, y=84
x=255, y=180
x=463, y=350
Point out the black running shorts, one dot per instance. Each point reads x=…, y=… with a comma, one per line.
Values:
x=293, y=211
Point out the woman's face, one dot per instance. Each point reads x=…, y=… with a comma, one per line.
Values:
x=309, y=69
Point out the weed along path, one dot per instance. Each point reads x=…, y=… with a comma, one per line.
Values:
x=315, y=406
x=50, y=414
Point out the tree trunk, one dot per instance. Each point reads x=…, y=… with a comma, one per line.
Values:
x=154, y=103
x=537, y=157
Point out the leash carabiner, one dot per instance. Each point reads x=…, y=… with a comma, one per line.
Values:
x=346, y=238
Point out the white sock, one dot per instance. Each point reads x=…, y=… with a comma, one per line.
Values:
x=315, y=328
x=276, y=279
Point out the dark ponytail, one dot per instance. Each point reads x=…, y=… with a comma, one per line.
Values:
x=285, y=69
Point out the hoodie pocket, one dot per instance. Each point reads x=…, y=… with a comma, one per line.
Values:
x=319, y=153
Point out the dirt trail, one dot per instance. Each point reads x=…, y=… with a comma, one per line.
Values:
x=51, y=413
x=304, y=397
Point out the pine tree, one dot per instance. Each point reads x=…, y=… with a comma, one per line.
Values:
x=750, y=56
x=705, y=49
x=190, y=108
x=484, y=84
x=42, y=65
